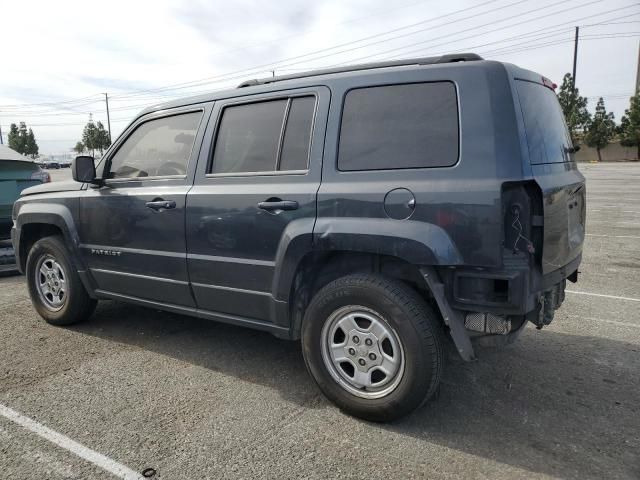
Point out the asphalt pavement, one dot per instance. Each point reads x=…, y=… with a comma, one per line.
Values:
x=192, y=399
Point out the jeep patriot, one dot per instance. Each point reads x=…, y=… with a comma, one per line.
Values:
x=375, y=213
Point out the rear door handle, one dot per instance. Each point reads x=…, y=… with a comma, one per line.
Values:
x=271, y=205
x=160, y=205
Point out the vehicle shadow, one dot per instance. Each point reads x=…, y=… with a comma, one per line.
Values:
x=553, y=403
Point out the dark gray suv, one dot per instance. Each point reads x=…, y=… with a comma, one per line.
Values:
x=374, y=212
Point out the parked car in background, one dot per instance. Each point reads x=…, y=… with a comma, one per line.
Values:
x=66, y=163
x=51, y=165
x=17, y=172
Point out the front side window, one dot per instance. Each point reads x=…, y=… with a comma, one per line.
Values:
x=157, y=148
x=251, y=137
x=399, y=126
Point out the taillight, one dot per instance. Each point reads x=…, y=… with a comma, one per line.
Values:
x=548, y=83
x=41, y=175
x=523, y=218
x=445, y=218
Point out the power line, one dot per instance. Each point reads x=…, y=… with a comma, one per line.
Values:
x=221, y=77
x=266, y=66
x=490, y=24
x=555, y=42
x=609, y=23
x=537, y=32
x=227, y=77
x=517, y=37
x=541, y=45
x=376, y=13
x=76, y=100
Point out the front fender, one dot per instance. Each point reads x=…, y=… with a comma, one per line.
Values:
x=56, y=214
x=419, y=243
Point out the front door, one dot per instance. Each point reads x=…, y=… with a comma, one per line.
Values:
x=255, y=190
x=132, y=229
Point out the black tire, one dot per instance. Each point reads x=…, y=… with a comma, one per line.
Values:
x=416, y=325
x=77, y=304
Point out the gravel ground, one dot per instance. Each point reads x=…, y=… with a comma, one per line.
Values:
x=194, y=399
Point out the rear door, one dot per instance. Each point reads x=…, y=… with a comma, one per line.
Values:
x=255, y=189
x=132, y=229
x=555, y=171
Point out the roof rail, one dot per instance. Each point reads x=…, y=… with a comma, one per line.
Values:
x=449, y=58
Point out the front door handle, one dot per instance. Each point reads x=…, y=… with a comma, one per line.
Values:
x=160, y=205
x=271, y=205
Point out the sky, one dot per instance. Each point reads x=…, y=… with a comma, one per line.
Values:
x=59, y=58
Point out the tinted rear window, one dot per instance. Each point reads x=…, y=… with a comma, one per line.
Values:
x=251, y=137
x=399, y=126
x=248, y=137
x=297, y=136
x=546, y=131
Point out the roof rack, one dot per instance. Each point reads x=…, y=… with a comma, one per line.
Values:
x=449, y=58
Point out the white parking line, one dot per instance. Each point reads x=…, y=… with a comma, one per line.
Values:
x=619, y=211
x=611, y=236
x=72, y=446
x=613, y=322
x=620, y=224
x=630, y=299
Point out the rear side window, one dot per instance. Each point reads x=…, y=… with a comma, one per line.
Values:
x=546, y=131
x=157, y=148
x=399, y=126
x=297, y=136
x=265, y=136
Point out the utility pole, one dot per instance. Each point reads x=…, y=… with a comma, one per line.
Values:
x=106, y=100
x=575, y=58
x=638, y=74
x=1, y=141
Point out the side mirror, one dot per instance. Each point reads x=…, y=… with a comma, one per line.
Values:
x=83, y=169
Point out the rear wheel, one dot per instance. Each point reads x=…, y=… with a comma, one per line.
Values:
x=55, y=287
x=373, y=346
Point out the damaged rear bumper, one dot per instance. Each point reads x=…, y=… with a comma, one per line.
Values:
x=494, y=307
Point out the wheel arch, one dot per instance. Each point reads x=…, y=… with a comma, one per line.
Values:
x=319, y=268
x=314, y=252
x=37, y=220
x=414, y=243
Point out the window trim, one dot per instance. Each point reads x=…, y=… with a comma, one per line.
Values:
x=131, y=130
x=246, y=101
x=364, y=87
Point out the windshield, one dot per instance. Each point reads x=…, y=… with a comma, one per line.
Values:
x=546, y=131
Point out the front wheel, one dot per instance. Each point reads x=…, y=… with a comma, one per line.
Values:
x=55, y=287
x=373, y=346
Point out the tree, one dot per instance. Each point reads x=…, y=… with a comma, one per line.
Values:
x=103, y=141
x=89, y=137
x=630, y=125
x=79, y=148
x=22, y=140
x=15, y=142
x=601, y=129
x=95, y=137
x=574, y=107
x=31, y=146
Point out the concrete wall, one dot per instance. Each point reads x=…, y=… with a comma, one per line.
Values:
x=614, y=152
